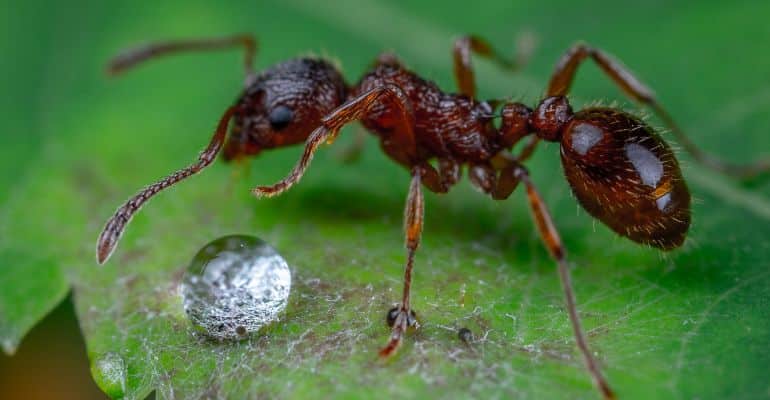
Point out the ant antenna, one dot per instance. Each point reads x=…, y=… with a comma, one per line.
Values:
x=114, y=228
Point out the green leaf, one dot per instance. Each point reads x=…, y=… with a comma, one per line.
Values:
x=29, y=289
x=687, y=324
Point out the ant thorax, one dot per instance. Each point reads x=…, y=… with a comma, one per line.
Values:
x=444, y=125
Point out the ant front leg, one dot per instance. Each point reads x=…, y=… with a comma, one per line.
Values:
x=352, y=110
x=130, y=58
x=463, y=69
x=564, y=74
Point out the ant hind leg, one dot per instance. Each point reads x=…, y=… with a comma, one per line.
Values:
x=553, y=244
x=500, y=186
x=564, y=75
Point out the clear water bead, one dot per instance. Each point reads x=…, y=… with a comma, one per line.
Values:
x=234, y=286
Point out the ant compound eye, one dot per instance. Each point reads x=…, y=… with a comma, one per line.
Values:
x=280, y=117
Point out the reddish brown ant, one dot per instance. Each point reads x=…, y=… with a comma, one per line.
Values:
x=619, y=169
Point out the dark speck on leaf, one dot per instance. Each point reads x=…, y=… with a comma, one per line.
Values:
x=465, y=335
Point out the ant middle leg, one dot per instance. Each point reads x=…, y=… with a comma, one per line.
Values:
x=441, y=180
x=564, y=75
x=483, y=177
x=131, y=57
x=404, y=317
x=404, y=139
x=499, y=184
x=463, y=69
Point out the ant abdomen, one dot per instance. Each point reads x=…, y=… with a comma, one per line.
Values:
x=626, y=176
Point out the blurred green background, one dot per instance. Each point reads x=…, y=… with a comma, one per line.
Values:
x=73, y=145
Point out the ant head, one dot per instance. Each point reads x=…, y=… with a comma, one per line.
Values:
x=283, y=106
x=625, y=175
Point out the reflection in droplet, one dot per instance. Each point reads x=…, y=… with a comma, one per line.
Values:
x=234, y=286
x=109, y=372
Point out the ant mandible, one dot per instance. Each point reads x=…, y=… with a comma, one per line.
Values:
x=618, y=167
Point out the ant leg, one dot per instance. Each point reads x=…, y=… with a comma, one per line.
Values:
x=564, y=74
x=461, y=56
x=413, y=220
x=442, y=180
x=505, y=185
x=403, y=317
x=510, y=177
x=483, y=177
x=450, y=172
x=352, y=110
x=131, y=57
x=115, y=226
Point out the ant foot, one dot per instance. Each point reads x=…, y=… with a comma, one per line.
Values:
x=400, y=321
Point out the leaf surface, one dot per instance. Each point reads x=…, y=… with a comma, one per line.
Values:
x=692, y=323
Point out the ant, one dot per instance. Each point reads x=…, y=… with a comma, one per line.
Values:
x=620, y=170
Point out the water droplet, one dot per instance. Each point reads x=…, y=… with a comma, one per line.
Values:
x=234, y=286
x=109, y=372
